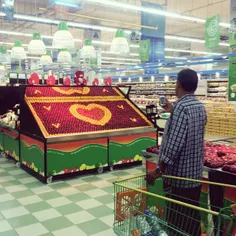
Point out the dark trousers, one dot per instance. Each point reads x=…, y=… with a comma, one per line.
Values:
x=217, y=192
x=180, y=218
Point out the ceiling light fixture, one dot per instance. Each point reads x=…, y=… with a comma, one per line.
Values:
x=190, y=51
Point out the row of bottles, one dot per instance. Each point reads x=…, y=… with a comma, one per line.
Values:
x=145, y=224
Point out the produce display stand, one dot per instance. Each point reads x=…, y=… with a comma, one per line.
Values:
x=66, y=130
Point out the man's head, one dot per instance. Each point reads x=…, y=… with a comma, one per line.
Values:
x=187, y=82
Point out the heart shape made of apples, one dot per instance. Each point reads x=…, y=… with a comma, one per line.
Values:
x=34, y=79
x=70, y=91
x=94, y=114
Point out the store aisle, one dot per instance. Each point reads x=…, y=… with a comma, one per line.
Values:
x=74, y=207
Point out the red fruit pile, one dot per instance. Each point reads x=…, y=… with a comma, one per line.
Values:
x=78, y=91
x=59, y=120
x=217, y=156
x=154, y=149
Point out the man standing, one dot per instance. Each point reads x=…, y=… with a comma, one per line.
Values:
x=182, y=153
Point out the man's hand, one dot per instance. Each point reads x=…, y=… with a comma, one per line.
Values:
x=168, y=106
x=152, y=176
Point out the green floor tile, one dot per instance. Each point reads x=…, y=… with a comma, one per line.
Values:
x=48, y=234
x=22, y=194
x=9, y=233
x=22, y=176
x=93, y=227
x=3, y=191
x=91, y=179
x=9, y=204
x=1, y=217
x=109, y=189
x=105, y=199
x=49, y=195
x=34, y=185
x=120, y=173
x=22, y=221
x=85, y=187
x=57, y=186
x=2, y=174
x=68, y=209
x=112, y=180
x=100, y=211
x=57, y=224
x=78, y=197
x=10, y=183
x=40, y=206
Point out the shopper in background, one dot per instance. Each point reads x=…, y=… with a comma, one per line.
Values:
x=182, y=153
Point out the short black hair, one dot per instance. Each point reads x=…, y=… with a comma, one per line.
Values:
x=188, y=80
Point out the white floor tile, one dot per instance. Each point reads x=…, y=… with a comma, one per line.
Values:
x=32, y=230
x=109, y=220
x=61, y=201
x=28, y=180
x=70, y=231
x=102, y=184
x=4, y=226
x=29, y=200
x=80, y=217
x=96, y=193
x=89, y=203
x=110, y=205
x=108, y=232
x=43, y=189
x=46, y=214
x=16, y=188
x=75, y=182
x=14, y=212
x=6, y=197
x=68, y=191
x=16, y=172
x=6, y=179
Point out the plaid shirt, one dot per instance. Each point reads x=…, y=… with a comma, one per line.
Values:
x=182, y=148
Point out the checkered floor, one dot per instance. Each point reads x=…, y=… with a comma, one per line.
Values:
x=75, y=207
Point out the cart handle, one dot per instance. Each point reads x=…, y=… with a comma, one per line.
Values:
x=180, y=178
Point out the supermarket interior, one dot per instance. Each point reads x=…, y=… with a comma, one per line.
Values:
x=83, y=90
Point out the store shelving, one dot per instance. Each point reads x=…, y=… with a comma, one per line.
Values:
x=217, y=88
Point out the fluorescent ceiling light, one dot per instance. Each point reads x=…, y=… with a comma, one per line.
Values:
x=184, y=39
x=227, y=25
x=171, y=57
x=66, y=3
x=126, y=6
x=120, y=59
x=190, y=51
x=136, y=8
x=117, y=62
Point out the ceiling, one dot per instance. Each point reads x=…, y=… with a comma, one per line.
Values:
x=200, y=9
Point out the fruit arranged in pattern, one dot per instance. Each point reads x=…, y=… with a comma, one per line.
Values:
x=50, y=92
x=86, y=116
x=154, y=149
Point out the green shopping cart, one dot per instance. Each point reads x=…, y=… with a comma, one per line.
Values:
x=138, y=212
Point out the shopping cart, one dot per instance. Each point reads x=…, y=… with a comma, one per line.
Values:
x=139, y=212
